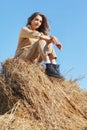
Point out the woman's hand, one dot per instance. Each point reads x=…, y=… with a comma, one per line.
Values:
x=56, y=42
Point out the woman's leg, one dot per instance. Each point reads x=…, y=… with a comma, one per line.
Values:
x=49, y=57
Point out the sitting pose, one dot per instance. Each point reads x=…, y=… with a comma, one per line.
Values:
x=35, y=44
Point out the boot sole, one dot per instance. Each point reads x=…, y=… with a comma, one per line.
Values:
x=56, y=76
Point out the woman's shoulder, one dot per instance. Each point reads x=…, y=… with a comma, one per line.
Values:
x=25, y=28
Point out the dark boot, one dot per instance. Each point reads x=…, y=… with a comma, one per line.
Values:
x=56, y=67
x=51, y=71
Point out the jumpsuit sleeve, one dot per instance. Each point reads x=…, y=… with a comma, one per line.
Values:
x=26, y=33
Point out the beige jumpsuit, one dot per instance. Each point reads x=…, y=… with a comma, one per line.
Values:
x=30, y=46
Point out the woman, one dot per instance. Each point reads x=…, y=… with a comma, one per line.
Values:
x=35, y=44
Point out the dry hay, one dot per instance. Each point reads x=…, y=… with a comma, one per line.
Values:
x=38, y=102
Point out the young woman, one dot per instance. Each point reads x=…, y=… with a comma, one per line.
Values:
x=35, y=44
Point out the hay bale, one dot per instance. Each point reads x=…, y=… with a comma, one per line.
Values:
x=50, y=103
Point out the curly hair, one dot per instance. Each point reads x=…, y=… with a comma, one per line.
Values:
x=44, y=28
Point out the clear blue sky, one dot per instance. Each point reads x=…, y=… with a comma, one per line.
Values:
x=68, y=22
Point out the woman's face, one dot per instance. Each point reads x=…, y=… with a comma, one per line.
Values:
x=36, y=22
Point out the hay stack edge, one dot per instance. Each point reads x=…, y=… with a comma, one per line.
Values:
x=31, y=100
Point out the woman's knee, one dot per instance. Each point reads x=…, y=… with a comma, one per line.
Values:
x=42, y=42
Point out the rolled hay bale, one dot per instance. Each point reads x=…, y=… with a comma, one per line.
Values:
x=48, y=101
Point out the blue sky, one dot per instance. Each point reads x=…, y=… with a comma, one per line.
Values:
x=68, y=22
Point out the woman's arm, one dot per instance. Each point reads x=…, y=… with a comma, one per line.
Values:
x=53, y=39
x=26, y=33
x=56, y=42
x=45, y=37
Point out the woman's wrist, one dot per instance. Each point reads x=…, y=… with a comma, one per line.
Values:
x=41, y=36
